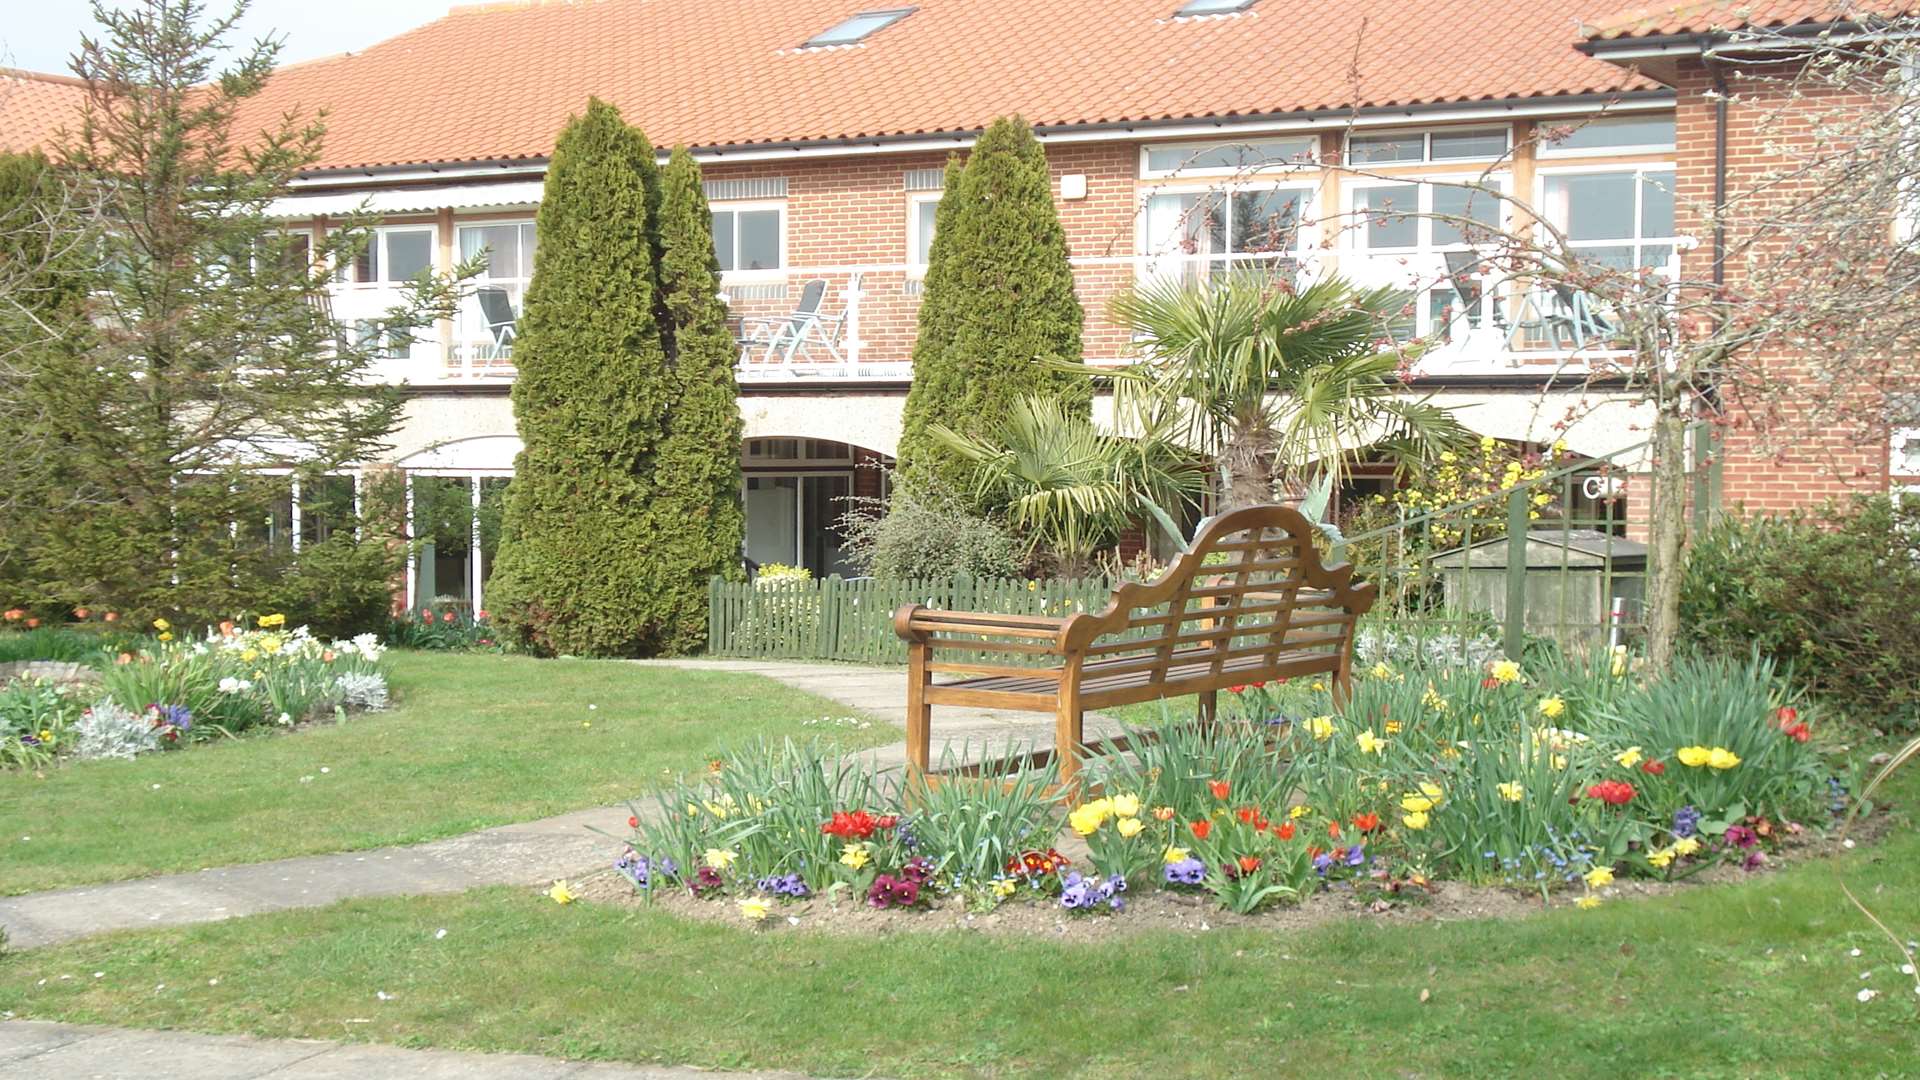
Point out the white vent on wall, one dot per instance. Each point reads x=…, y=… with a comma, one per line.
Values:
x=760, y=187
x=926, y=179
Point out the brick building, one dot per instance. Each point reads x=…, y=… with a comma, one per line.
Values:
x=1175, y=130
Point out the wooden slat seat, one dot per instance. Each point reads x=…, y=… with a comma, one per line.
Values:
x=1251, y=601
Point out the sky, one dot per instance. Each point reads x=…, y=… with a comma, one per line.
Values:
x=39, y=35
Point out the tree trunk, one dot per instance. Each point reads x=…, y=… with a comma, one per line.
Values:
x=1248, y=460
x=1667, y=530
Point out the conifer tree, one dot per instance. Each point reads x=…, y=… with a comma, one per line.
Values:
x=574, y=571
x=700, y=521
x=998, y=311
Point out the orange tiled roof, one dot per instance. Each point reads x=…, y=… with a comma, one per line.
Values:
x=1708, y=16
x=33, y=106
x=498, y=81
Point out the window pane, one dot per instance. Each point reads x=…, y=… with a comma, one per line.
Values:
x=923, y=224
x=1265, y=220
x=1459, y=202
x=723, y=238
x=529, y=236
x=1614, y=131
x=1592, y=206
x=502, y=242
x=326, y=504
x=1479, y=143
x=409, y=254
x=1656, y=256
x=1656, y=204
x=1162, y=159
x=1611, y=257
x=759, y=240
x=1372, y=149
x=1388, y=209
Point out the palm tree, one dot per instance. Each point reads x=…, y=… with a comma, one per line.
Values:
x=1068, y=486
x=1270, y=382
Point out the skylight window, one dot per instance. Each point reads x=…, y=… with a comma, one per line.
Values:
x=858, y=28
x=1212, y=7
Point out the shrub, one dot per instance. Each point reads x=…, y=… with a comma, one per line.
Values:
x=573, y=572
x=34, y=718
x=999, y=304
x=928, y=532
x=108, y=730
x=1830, y=596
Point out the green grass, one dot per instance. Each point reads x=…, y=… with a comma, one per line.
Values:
x=1747, y=979
x=474, y=741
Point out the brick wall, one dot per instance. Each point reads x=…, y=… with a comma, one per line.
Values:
x=1781, y=450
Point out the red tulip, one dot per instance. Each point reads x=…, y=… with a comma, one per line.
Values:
x=1285, y=831
x=1653, y=768
x=1220, y=788
x=81, y=613
x=33, y=624
x=1366, y=822
x=1200, y=829
x=1248, y=864
x=14, y=615
x=1612, y=792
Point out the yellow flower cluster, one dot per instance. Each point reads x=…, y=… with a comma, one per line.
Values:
x=1123, y=810
x=1504, y=672
x=1321, y=727
x=1553, y=707
x=1369, y=742
x=1458, y=479
x=1718, y=757
x=1680, y=848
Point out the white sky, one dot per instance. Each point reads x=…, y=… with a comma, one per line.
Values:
x=39, y=35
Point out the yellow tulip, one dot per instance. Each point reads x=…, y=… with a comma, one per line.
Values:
x=1175, y=854
x=1415, y=821
x=1127, y=805
x=1694, y=756
x=1722, y=758
x=1129, y=827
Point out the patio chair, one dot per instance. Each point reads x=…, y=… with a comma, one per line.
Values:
x=496, y=307
x=796, y=334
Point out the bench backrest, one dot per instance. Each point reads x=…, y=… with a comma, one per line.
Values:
x=1251, y=588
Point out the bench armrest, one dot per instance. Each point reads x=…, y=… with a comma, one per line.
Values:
x=920, y=625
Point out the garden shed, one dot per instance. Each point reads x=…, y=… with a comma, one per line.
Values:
x=1574, y=579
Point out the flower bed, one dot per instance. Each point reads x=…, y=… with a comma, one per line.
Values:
x=162, y=693
x=1562, y=782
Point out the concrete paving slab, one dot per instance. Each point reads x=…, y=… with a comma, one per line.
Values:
x=112, y=1054
x=24, y=1040
x=375, y=1062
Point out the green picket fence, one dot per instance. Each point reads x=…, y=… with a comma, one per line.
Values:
x=852, y=619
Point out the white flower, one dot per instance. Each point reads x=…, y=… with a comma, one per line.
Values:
x=230, y=685
x=284, y=720
x=1867, y=995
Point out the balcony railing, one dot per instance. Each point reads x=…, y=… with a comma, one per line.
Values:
x=858, y=322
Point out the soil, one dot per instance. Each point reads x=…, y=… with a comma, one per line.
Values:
x=1150, y=910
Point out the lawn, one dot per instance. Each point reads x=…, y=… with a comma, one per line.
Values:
x=1750, y=979
x=473, y=741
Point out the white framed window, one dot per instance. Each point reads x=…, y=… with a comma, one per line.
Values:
x=1418, y=234
x=922, y=208
x=1259, y=154
x=394, y=255
x=1427, y=145
x=750, y=238
x=1618, y=217
x=1905, y=453
x=490, y=313
x=1196, y=233
x=1649, y=133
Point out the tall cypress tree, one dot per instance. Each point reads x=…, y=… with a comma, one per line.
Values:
x=573, y=573
x=998, y=307
x=700, y=521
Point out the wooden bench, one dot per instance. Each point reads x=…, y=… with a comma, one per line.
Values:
x=1251, y=601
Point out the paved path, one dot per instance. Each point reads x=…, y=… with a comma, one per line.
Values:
x=31, y=1050
x=529, y=853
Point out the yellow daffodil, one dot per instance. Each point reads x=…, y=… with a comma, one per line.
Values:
x=1393, y=727
x=1321, y=727
x=854, y=855
x=1415, y=821
x=1126, y=805
x=1686, y=845
x=1319, y=687
x=1423, y=800
x=1381, y=670
x=1619, y=660
x=1587, y=903
x=1599, y=877
x=1300, y=811
x=275, y=619
x=1432, y=700
x=755, y=908
x=1449, y=753
x=560, y=893
x=1370, y=743
x=1559, y=763
x=1693, y=756
x=1722, y=758
x=1629, y=757
x=1513, y=791
x=249, y=655
x=162, y=624
x=1004, y=887
x=1553, y=707
x=1504, y=672
x=1175, y=854
x=1659, y=859
x=1129, y=827
x=165, y=636
x=719, y=858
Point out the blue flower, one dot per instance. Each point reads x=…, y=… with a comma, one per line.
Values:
x=1188, y=871
x=1686, y=822
x=637, y=869
x=1076, y=892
